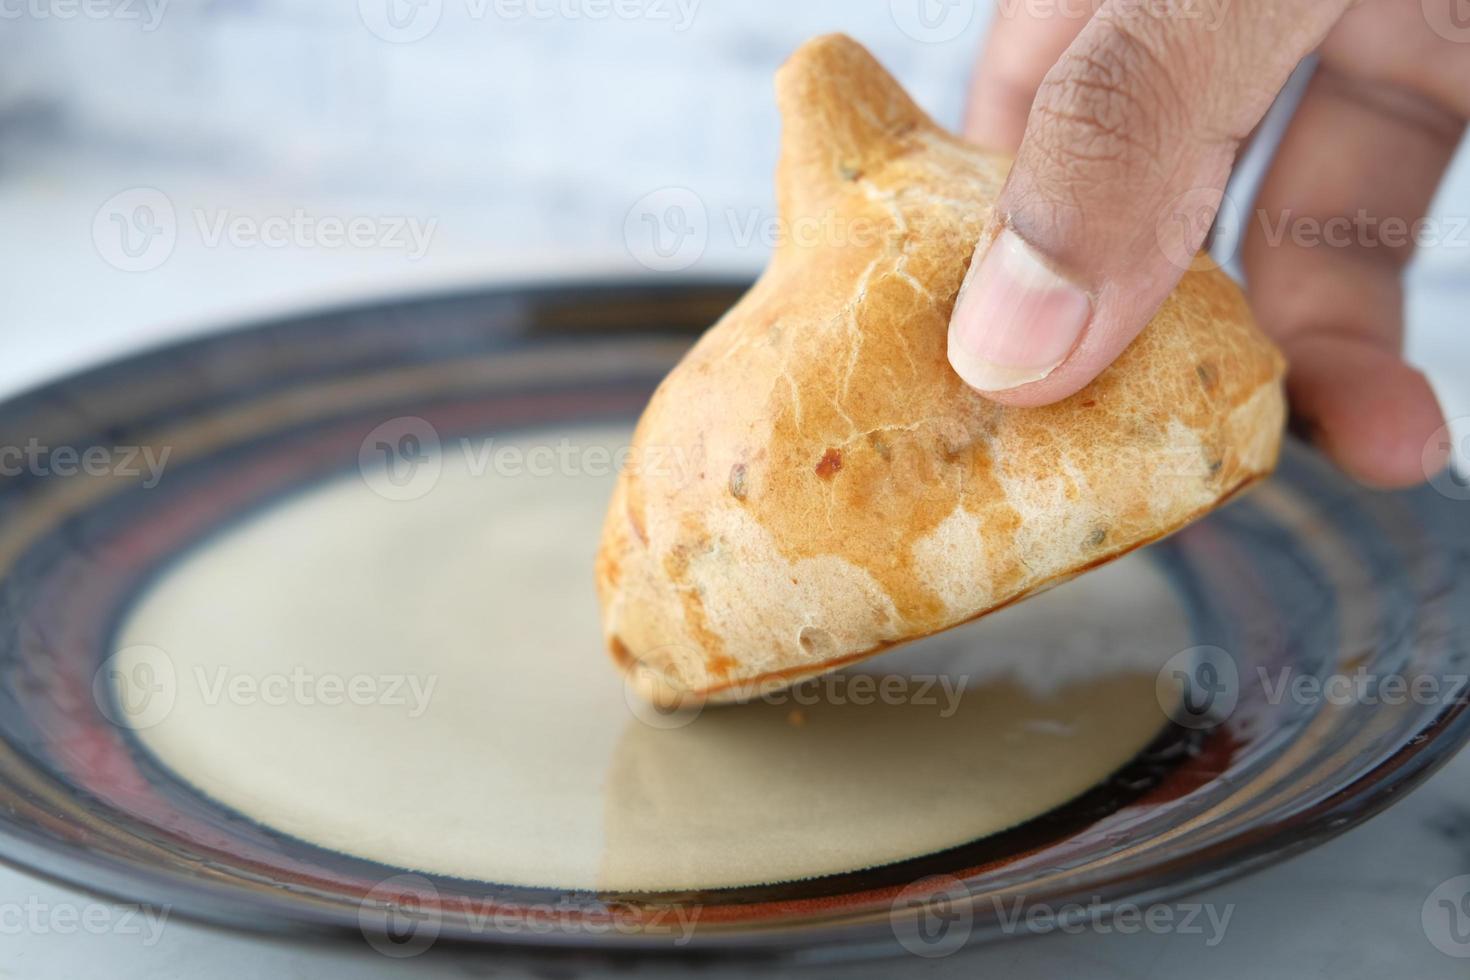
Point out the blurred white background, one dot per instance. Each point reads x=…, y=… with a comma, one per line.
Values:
x=521, y=133
x=514, y=136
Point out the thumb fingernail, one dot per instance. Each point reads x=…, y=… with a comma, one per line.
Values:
x=1015, y=319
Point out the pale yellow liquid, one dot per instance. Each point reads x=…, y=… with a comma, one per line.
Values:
x=520, y=759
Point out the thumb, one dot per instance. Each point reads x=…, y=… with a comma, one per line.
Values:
x=1126, y=153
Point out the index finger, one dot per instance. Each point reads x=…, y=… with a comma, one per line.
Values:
x=1023, y=43
x=1139, y=119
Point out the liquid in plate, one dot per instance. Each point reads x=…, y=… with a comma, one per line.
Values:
x=422, y=683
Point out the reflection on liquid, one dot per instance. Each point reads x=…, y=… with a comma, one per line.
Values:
x=771, y=791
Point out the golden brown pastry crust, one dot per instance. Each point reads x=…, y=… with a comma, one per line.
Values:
x=840, y=489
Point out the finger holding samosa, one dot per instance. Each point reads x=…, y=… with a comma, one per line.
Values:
x=851, y=492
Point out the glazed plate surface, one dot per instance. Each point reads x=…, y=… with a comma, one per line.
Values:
x=1290, y=665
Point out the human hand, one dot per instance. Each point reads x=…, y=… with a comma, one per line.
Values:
x=1139, y=111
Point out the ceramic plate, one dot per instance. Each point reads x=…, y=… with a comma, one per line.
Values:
x=1329, y=639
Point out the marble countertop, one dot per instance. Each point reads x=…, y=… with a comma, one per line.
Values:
x=514, y=193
